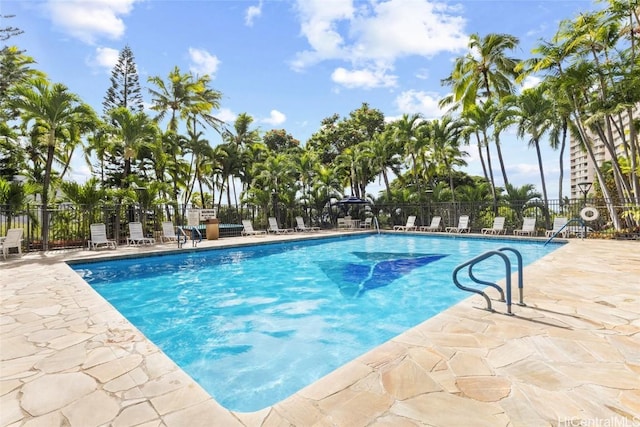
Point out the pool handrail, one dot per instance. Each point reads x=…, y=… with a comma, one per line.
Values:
x=499, y=252
x=578, y=220
x=194, y=232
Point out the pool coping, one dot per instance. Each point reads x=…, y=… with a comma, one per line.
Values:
x=464, y=365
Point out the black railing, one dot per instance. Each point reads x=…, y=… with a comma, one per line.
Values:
x=69, y=224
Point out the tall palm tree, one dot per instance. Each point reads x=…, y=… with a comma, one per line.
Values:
x=54, y=109
x=478, y=120
x=202, y=162
x=384, y=156
x=446, y=135
x=531, y=112
x=486, y=73
x=130, y=131
x=243, y=138
x=412, y=134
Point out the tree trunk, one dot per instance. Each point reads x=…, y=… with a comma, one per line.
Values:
x=46, y=182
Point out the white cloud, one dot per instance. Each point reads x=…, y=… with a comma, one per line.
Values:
x=275, y=118
x=372, y=36
x=398, y=28
x=366, y=78
x=105, y=57
x=425, y=103
x=202, y=62
x=530, y=82
x=252, y=13
x=319, y=24
x=90, y=20
x=226, y=115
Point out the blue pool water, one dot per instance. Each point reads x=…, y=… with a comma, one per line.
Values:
x=253, y=325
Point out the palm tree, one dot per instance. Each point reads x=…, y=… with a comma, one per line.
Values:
x=445, y=142
x=384, y=156
x=202, y=162
x=519, y=198
x=531, y=113
x=478, y=120
x=411, y=133
x=130, y=131
x=243, y=138
x=486, y=72
x=54, y=109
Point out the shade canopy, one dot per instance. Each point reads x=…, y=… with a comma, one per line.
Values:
x=352, y=200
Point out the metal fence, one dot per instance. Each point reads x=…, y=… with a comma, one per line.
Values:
x=70, y=225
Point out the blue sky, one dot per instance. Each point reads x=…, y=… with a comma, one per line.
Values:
x=288, y=63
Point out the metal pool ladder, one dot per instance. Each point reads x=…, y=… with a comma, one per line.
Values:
x=507, y=263
x=194, y=232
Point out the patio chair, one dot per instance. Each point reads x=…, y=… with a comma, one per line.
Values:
x=434, y=226
x=367, y=222
x=344, y=223
x=274, y=228
x=168, y=232
x=463, y=225
x=248, y=230
x=99, y=237
x=528, y=228
x=13, y=239
x=136, y=235
x=302, y=227
x=558, y=224
x=496, y=228
x=410, y=225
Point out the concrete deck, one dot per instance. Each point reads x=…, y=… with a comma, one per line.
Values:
x=570, y=358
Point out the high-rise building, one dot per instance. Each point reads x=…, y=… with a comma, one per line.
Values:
x=582, y=167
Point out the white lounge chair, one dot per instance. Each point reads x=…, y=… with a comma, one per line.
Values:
x=13, y=239
x=274, y=228
x=344, y=223
x=528, y=227
x=249, y=231
x=558, y=223
x=434, y=226
x=302, y=227
x=463, y=225
x=367, y=222
x=99, y=237
x=410, y=225
x=168, y=232
x=496, y=228
x=136, y=235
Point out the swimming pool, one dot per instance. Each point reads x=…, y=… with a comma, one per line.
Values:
x=254, y=325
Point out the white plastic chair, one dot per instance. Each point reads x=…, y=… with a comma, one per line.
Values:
x=434, y=226
x=168, y=232
x=302, y=227
x=249, y=231
x=136, y=235
x=528, y=227
x=99, y=237
x=463, y=225
x=12, y=240
x=496, y=228
x=274, y=228
x=558, y=223
x=410, y=225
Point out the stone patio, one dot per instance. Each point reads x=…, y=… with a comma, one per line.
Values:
x=571, y=357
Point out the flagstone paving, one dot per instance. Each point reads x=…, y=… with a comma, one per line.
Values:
x=570, y=357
